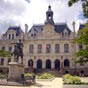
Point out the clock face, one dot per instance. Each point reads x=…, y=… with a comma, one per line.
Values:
x=49, y=17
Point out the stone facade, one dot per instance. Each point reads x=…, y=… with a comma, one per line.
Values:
x=49, y=46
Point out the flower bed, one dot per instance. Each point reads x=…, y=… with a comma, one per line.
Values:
x=45, y=76
x=70, y=81
x=28, y=74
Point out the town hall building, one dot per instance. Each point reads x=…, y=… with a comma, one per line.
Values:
x=47, y=47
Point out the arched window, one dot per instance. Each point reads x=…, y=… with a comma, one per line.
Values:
x=30, y=63
x=48, y=64
x=39, y=64
x=66, y=63
x=57, y=64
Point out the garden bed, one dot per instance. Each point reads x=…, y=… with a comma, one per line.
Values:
x=70, y=81
x=45, y=77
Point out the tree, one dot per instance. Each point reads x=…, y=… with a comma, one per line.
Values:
x=84, y=6
x=83, y=39
x=4, y=53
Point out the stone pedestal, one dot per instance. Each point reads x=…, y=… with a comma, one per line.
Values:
x=15, y=71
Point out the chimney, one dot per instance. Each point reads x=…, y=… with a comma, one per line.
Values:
x=26, y=28
x=74, y=28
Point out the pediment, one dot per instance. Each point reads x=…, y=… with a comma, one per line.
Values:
x=49, y=32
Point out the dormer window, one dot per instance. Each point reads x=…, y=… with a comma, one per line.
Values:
x=65, y=33
x=33, y=35
x=9, y=36
x=12, y=36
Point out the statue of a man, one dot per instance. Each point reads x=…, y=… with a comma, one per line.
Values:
x=18, y=51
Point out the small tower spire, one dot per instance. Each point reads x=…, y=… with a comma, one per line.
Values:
x=49, y=16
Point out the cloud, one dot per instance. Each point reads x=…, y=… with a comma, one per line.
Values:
x=19, y=12
x=10, y=12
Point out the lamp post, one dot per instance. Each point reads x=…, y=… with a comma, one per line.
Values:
x=62, y=65
x=34, y=68
x=74, y=46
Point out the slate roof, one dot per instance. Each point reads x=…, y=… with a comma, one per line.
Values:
x=38, y=28
x=60, y=27
x=16, y=28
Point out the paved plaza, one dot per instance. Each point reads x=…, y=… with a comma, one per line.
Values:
x=56, y=83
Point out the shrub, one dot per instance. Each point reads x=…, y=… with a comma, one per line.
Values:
x=3, y=75
x=28, y=74
x=69, y=79
x=45, y=76
x=76, y=80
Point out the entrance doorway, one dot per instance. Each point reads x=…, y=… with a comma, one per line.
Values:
x=48, y=64
x=39, y=64
x=57, y=64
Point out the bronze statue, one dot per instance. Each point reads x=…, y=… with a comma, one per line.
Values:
x=18, y=51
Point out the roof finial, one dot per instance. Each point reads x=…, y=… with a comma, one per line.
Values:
x=49, y=7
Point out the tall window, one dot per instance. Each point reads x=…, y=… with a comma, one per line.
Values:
x=2, y=61
x=66, y=48
x=80, y=47
x=31, y=48
x=66, y=63
x=40, y=48
x=57, y=48
x=10, y=49
x=9, y=36
x=12, y=36
x=3, y=48
x=48, y=48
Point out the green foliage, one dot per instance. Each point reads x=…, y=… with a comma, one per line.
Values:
x=83, y=35
x=46, y=76
x=84, y=6
x=3, y=75
x=70, y=3
x=83, y=39
x=69, y=79
x=4, y=53
x=28, y=74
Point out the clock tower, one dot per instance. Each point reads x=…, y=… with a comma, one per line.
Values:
x=49, y=16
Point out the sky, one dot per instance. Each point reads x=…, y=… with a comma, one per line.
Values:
x=21, y=12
